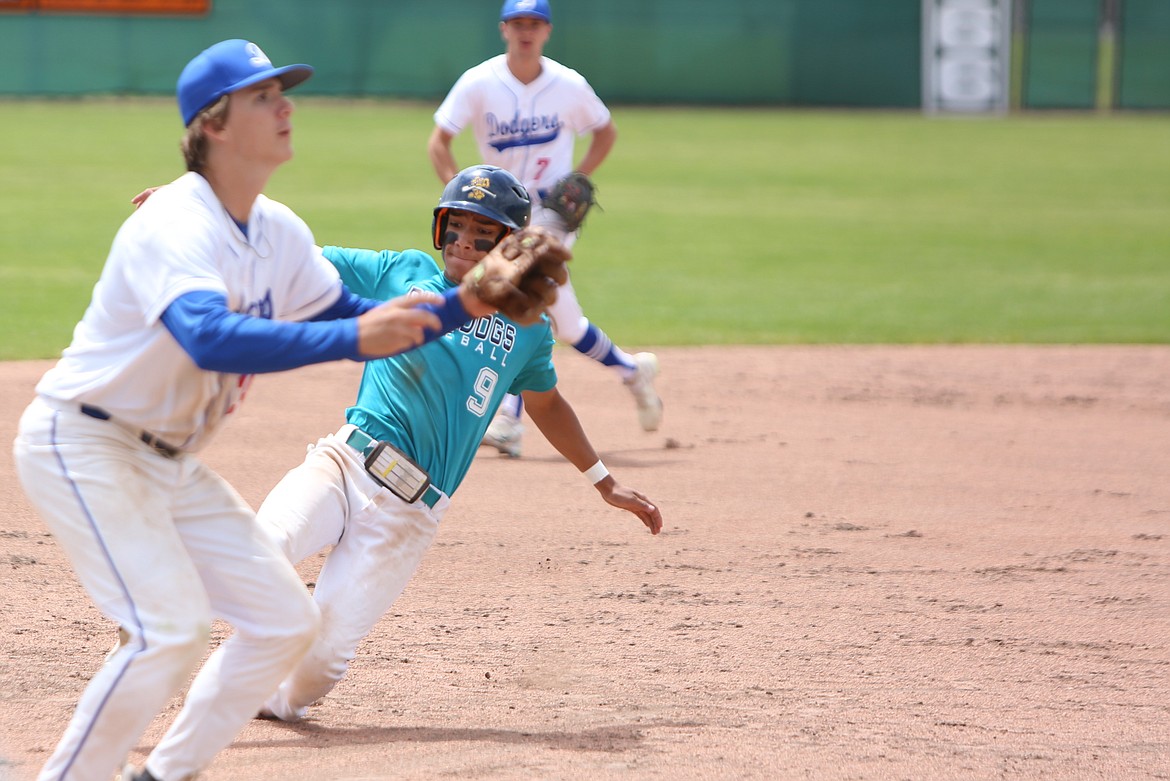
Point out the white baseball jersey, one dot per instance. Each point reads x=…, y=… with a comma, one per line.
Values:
x=122, y=357
x=528, y=129
x=163, y=544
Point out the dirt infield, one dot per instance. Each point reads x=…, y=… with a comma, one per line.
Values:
x=878, y=563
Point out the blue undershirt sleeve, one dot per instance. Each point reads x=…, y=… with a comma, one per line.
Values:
x=221, y=340
x=218, y=339
x=451, y=314
x=350, y=304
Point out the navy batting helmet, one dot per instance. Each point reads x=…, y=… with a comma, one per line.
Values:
x=487, y=191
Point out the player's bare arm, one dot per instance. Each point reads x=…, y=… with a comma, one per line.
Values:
x=603, y=141
x=555, y=418
x=439, y=150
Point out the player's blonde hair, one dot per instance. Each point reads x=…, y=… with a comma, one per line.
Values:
x=194, y=143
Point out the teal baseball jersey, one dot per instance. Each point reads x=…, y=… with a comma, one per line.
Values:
x=435, y=402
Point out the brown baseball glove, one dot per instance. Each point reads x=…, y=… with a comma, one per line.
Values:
x=520, y=276
x=571, y=198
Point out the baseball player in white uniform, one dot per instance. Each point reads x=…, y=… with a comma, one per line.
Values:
x=525, y=112
x=207, y=284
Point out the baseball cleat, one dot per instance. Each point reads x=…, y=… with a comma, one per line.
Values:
x=505, y=434
x=278, y=708
x=641, y=384
x=130, y=774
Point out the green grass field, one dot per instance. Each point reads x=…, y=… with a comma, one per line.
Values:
x=719, y=226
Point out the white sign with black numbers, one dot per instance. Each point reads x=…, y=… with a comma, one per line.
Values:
x=966, y=55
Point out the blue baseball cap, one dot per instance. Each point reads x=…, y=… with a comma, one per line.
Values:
x=226, y=67
x=537, y=9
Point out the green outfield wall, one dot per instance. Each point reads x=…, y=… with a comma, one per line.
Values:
x=839, y=52
x=1062, y=56
x=1143, y=62
x=863, y=53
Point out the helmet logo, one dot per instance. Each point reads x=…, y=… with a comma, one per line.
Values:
x=478, y=188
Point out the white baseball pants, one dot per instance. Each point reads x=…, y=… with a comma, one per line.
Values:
x=163, y=546
x=568, y=319
x=378, y=543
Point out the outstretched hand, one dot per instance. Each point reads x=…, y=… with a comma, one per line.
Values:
x=631, y=501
